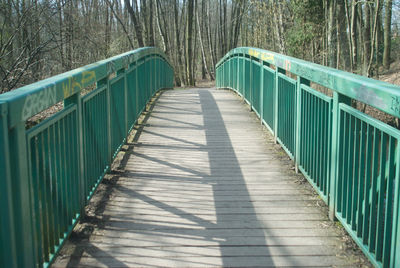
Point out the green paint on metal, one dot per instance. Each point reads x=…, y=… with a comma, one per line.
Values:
x=351, y=159
x=57, y=165
x=378, y=94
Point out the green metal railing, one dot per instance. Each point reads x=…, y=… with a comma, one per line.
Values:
x=49, y=172
x=350, y=158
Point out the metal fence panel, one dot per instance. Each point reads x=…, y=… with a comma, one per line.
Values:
x=351, y=159
x=57, y=164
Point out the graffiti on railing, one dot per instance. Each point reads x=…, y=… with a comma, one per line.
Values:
x=395, y=104
x=36, y=103
x=267, y=57
x=72, y=86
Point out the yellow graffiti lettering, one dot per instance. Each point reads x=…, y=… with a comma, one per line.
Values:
x=71, y=87
x=75, y=85
x=254, y=53
x=88, y=77
x=66, y=88
x=267, y=57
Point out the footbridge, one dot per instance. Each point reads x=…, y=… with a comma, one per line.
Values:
x=276, y=166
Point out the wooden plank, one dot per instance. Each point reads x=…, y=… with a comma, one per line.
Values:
x=205, y=185
x=162, y=252
x=229, y=261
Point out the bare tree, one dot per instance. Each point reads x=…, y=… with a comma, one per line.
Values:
x=387, y=33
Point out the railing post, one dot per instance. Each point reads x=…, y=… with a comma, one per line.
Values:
x=229, y=71
x=262, y=91
x=337, y=99
x=21, y=196
x=221, y=75
x=300, y=81
x=276, y=89
x=395, y=254
x=76, y=100
x=106, y=82
x=123, y=73
x=136, y=92
x=251, y=85
x=8, y=249
x=238, y=74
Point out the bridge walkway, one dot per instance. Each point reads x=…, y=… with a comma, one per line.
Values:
x=205, y=185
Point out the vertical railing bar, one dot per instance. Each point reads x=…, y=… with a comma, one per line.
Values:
x=52, y=213
x=355, y=173
x=43, y=198
x=324, y=146
x=329, y=156
x=350, y=168
x=60, y=181
x=388, y=215
x=66, y=168
x=341, y=149
x=75, y=149
x=381, y=197
x=301, y=129
x=319, y=155
x=261, y=99
x=361, y=180
x=308, y=134
x=318, y=140
x=347, y=130
x=394, y=255
x=313, y=137
x=366, y=208
x=372, y=230
x=36, y=199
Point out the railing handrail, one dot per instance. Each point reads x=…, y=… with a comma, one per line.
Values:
x=350, y=158
x=62, y=86
x=379, y=94
x=49, y=172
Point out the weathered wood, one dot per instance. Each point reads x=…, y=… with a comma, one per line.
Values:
x=205, y=185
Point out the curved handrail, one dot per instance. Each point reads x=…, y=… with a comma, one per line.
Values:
x=50, y=171
x=350, y=158
x=49, y=91
x=379, y=94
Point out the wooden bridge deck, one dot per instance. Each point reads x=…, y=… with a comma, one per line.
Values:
x=205, y=185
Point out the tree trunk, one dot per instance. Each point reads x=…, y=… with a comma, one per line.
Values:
x=189, y=43
x=353, y=34
x=151, y=41
x=367, y=39
x=343, y=42
x=203, y=55
x=178, y=43
x=136, y=24
x=379, y=38
x=331, y=34
x=163, y=32
x=374, y=36
x=387, y=34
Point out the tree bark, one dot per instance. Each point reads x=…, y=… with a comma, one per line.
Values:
x=331, y=34
x=367, y=39
x=387, y=34
x=343, y=42
x=203, y=55
x=179, y=79
x=189, y=43
x=136, y=24
x=374, y=36
x=353, y=34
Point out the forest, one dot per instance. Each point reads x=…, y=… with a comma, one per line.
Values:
x=41, y=38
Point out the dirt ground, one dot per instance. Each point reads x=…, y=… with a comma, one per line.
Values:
x=393, y=75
